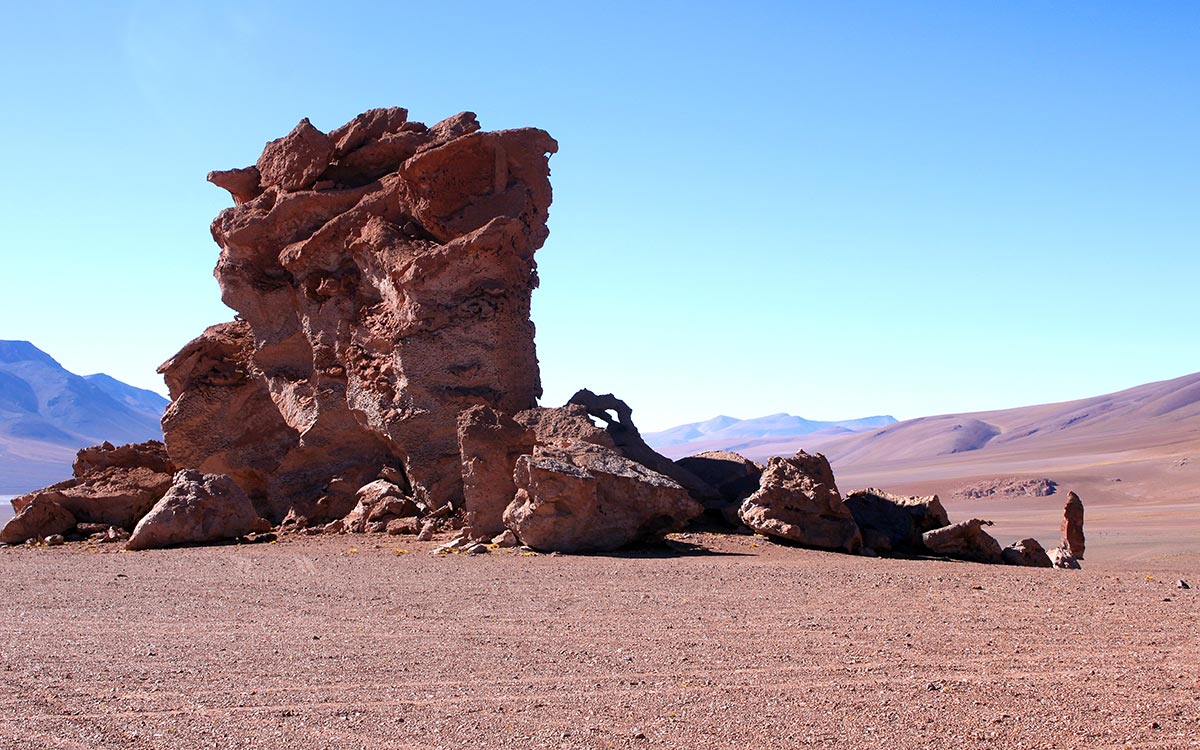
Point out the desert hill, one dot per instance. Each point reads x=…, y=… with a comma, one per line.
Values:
x=743, y=435
x=47, y=413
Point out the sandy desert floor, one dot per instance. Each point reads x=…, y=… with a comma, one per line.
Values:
x=721, y=641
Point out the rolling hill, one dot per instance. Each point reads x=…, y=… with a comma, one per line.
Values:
x=47, y=413
x=743, y=435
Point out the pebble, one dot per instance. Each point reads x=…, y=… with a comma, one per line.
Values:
x=54, y=540
x=1182, y=584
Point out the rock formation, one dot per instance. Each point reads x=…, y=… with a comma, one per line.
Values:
x=1060, y=558
x=798, y=500
x=490, y=443
x=1027, y=552
x=732, y=477
x=197, y=508
x=382, y=275
x=1072, y=526
x=113, y=486
x=581, y=497
x=895, y=523
x=965, y=540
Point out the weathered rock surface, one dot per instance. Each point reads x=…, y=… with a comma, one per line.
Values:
x=382, y=506
x=618, y=423
x=798, y=500
x=382, y=274
x=564, y=424
x=490, y=443
x=580, y=497
x=894, y=523
x=1060, y=558
x=1072, y=526
x=1027, y=552
x=197, y=508
x=114, y=486
x=965, y=540
x=732, y=477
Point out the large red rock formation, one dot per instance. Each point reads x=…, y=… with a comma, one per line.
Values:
x=798, y=501
x=382, y=275
x=1072, y=526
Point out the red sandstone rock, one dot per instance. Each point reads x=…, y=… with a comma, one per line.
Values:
x=965, y=540
x=1027, y=552
x=490, y=444
x=1072, y=526
x=379, y=306
x=38, y=517
x=242, y=184
x=798, y=501
x=895, y=523
x=568, y=423
x=379, y=503
x=295, y=161
x=581, y=497
x=197, y=508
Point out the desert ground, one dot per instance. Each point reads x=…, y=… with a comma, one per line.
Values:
x=714, y=641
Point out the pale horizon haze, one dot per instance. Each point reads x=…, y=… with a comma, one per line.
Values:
x=831, y=209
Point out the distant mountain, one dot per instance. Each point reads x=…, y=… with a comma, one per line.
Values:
x=48, y=413
x=730, y=433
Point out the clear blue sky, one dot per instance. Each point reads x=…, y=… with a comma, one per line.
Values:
x=832, y=209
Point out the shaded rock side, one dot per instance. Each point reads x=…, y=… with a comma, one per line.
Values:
x=490, y=443
x=617, y=417
x=1072, y=526
x=1027, y=552
x=798, y=500
x=114, y=486
x=1060, y=558
x=894, y=523
x=585, y=498
x=197, y=508
x=965, y=540
x=223, y=419
x=385, y=272
x=732, y=478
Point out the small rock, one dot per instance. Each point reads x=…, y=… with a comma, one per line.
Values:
x=54, y=540
x=477, y=549
x=426, y=531
x=506, y=539
x=1182, y=584
x=114, y=534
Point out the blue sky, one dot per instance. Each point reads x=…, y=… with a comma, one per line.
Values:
x=832, y=209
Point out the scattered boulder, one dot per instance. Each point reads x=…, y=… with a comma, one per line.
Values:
x=197, y=508
x=380, y=503
x=40, y=516
x=1027, y=552
x=965, y=540
x=490, y=443
x=798, y=500
x=1007, y=487
x=1060, y=558
x=894, y=523
x=580, y=497
x=732, y=477
x=1072, y=526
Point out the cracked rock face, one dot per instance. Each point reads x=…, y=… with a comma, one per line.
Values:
x=382, y=275
x=798, y=501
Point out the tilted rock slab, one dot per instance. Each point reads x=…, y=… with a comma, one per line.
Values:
x=732, y=477
x=798, y=500
x=197, y=508
x=965, y=540
x=383, y=272
x=895, y=523
x=581, y=497
x=1072, y=526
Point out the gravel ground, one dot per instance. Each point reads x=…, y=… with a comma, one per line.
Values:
x=719, y=642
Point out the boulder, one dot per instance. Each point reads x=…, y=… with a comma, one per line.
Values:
x=39, y=517
x=732, y=478
x=894, y=523
x=490, y=444
x=295, y=161
x=563, y=424
x=197, y=508
x=1072, y=526
x=798, y=501
x=379, y=504
x=1027, y=552
x=581, y=497
x=965, y=540
x=1060, y=558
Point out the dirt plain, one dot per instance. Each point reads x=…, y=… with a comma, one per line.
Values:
x=715, y=641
